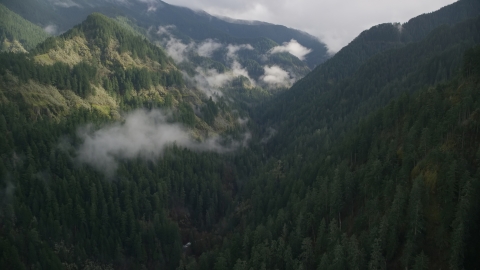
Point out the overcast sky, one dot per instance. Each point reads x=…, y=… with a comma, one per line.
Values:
x=335, y=22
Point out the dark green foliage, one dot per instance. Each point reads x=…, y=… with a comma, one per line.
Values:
x=62, y=212
x=385, y=182
x=372, y=166
x=186, y=114
x=315, y=103
x=124, y=81
x=209, y=111
x=472, y=62
x=408, y=202
x=13, y=27
x=101, y=31
x=78, y=79
x=190, y=26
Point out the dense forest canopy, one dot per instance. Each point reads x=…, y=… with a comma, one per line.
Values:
x=371, y=161
x=14, y=28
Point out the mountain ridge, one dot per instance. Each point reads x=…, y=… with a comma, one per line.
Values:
x=164, y=14
x=115, y=155
x=366, y=45
x=100, y=65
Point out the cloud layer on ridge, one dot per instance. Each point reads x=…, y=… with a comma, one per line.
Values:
x=144, y=134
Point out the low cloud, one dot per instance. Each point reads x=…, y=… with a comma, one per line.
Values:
x=238, y=70
x=276, y=76
x=244, y=143
x=51, y=29
x=233, y=49
x=165, y=29
x=321, y=18
x=210, y=81
x=144, y=134
x=270, y=133
x=207, y=47
x=242, y=121
x=178, y=50
x=399, y=26
x=292, y=47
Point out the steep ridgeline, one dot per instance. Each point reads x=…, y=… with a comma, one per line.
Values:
x=333, y=98
x=398, y=191
x=374, y=168
x=199, y=26
x=384, y=37
x=18, y=34
x=206, y=45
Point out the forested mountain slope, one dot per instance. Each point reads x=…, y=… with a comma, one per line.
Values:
x=78, y=64
x=57, y=213
x=18, y=34
x=360, y=171
x=111, y=157
x=397, y=191
x=333, y=98
x=100, y=65
x=185, y=31
x=57, y=209
x=383, y=37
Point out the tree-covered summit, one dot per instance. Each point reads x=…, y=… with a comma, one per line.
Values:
x=100, y=31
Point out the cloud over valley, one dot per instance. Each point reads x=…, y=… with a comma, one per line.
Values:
x=276, y=76
x=292, y=47
x=144, y=134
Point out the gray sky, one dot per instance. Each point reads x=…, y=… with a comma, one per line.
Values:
x=335, y=22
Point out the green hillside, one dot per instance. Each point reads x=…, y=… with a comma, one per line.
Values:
x=85, y=63
x=369, y=162
x=190, y=25
x=235, y=47
x=101, y=65
x=384, y=37
x=86, y=76
x=397, y=191
x=18, y=34
x=339, y=104
x=348, y=186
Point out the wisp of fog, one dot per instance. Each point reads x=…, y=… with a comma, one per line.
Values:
x=144, y=134
x=292, y=47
